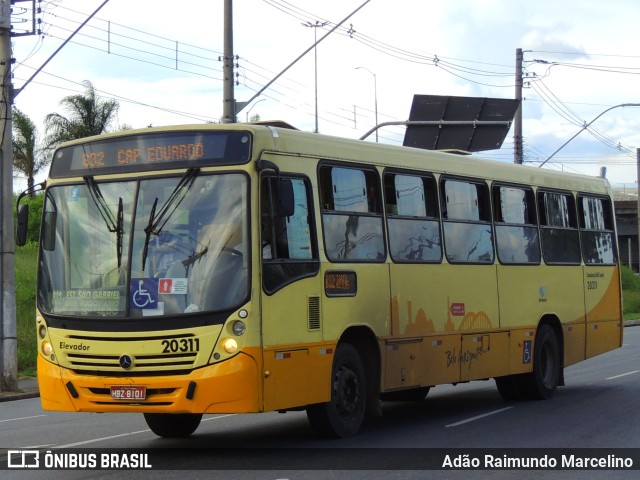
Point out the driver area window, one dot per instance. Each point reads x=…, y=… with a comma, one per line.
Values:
x=287, y=233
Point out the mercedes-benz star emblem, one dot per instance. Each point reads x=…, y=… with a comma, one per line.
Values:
x=126, y=361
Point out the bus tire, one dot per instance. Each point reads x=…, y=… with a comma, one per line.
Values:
x=541, y=384
x=342, y=416
x=173, y=425
x=408, y=395
x=508, y=387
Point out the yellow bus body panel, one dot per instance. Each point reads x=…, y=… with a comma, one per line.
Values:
x=231, y=386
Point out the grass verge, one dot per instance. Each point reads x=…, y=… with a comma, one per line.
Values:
x=26, y=260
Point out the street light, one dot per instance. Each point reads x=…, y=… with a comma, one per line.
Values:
x=375, y=95
x=315, y=27
x=587, y=125
x=249, y=111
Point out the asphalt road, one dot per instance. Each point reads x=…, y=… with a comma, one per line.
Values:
x=599, y=408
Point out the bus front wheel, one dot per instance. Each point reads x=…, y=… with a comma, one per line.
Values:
x=173, y=425
x=342, y=416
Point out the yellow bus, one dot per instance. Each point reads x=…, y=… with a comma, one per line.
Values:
x=251, y=268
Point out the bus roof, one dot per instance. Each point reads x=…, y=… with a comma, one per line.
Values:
x=336, y=148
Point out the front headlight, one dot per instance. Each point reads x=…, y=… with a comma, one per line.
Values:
x=239, y=328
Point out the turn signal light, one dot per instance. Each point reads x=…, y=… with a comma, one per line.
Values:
x=47, y=349
x=230, y=345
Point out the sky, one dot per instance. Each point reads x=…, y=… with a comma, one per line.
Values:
x=160, y=60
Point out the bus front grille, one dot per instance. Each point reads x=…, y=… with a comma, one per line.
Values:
x=111, y=364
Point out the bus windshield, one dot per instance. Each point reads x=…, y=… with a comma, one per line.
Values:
x=152, y=247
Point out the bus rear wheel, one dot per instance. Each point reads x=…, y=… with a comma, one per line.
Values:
x=342, y=416
x=508, y=387
x=173, y=425
x=547, y=366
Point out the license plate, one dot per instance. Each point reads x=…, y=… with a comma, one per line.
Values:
x=128, y=392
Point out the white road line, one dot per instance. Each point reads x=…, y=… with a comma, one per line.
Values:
x=219, y=417
x=21, y=418
x=478, y=417
x=622, y=375
x=101, y=439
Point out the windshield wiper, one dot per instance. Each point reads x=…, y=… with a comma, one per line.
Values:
x=191, y=259
x=119, y=233
x=157, y=222
x=114, y=225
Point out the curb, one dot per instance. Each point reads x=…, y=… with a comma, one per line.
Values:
x=9, y=396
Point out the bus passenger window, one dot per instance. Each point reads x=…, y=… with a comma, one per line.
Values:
x=516, y=226
x=287, y=242
x=558, y=228
x=412, y=218
x=467, y=222
x=596, y=231
x=352, y=214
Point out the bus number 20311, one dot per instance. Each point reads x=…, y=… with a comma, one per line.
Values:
x=181, y=345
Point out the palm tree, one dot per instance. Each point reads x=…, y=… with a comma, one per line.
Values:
x=88, y=115
x=27, y=157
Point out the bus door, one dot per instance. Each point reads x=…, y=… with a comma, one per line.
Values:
x=293, y=353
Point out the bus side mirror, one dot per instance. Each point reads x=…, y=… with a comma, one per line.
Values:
x=22, y=229
x=286, y=202
x=49, y=231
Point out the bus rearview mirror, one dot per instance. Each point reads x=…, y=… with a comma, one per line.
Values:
x=22, y=229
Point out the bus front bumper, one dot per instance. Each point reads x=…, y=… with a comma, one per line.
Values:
x=232, y=386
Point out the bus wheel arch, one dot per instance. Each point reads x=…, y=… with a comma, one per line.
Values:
x=364, y=340
x=548, y=360
x=548, y=365
x=353, y=387
x=554, y=322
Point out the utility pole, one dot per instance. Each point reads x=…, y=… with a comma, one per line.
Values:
x=8, y=322
x=259, y=92
x=228, y=100
x=517, y=124
x=8, y=329
x=315, y=27
x=375, y=96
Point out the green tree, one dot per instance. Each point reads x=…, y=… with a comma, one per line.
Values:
x=88, y=115
x=28, y=158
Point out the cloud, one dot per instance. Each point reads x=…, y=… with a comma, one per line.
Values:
x=553, y=46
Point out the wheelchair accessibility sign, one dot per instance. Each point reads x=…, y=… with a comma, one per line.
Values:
x=526, y=351
x=144, y=293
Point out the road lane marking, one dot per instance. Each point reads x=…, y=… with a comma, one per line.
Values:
x=102, y=439
x=622, y=375
x=219, y=417
x=478, y=417
x=21, y=418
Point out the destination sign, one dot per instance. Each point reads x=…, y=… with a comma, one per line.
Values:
x=152, y=151
x=340, y=284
